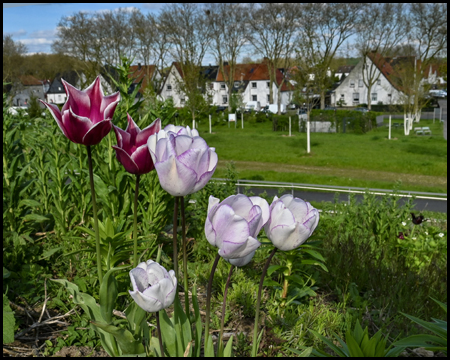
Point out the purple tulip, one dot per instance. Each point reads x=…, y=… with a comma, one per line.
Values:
x=183, y=160
x=292, y=221
x=132, y=150
x=234, y=224
x=86, y=116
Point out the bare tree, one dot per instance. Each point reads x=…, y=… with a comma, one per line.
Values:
x=381, y=31
x=274, y=27
x=230, y=31
x=187, y=31
x=324, y=29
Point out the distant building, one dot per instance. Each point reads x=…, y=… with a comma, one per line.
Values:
x=27, y=88
x=344, y=70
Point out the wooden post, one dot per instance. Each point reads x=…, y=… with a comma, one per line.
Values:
x=210, y=124
x=389, y=127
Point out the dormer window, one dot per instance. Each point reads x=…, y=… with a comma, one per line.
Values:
x=169, y=87
x=253, y=85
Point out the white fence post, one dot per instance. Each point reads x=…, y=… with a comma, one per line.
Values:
x=242, y=119
x=210, y=124
x=289, y=126
x=308, y=147
x=390, y=127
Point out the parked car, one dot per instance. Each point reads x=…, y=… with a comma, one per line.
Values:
x=438, y=93
x=361, y=109
x=253, y=106
x=273, y=108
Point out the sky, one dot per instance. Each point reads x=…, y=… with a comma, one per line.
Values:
x=35, y=24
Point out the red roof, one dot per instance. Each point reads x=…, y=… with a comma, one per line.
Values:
x=30, y=80
x=144, y=73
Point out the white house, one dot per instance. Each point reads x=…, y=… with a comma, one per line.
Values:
x=352, y=91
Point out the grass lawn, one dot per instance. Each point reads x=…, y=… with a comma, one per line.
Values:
x=370, y=160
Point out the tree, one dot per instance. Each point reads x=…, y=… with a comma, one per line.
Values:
x=228, y=22
x=274, y=27
x=324, y=29
x=186, y=28
x=13, y=59
x=382, y=30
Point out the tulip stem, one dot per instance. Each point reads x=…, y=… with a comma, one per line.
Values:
x=258, y=303
x=175, y=223
x=224, y=309
x=185, y=270
x=208, y=298
x=94, y=208
x=159, y=333
x=136, y=194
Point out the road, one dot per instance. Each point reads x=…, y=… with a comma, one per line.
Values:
x=419, y=204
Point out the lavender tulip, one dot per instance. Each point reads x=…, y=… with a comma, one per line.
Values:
x=86, y=116
x=292, y=221
x=183, y=160
x=154, y=288
x=132, y=150
x=234, y=224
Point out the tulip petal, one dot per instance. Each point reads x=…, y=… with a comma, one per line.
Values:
x=230, y=228
x=298, y=207
x=76, y=126
x=150, y=300
x=97, y=132
x=143, y=136
x=111, y=107
x=175, y=178
x=256, y=222
x=95, y=93
x=312, y=221
x=56, y=113
x=280, y=215
x=212, y=201
x=160, y=150
x=182, y=144
x=142, y=159
x=210, y=233
x=123, y=139
x=264, y=205
x=242, y=261
x=132, y=128
x=241, y=205
x=139, y=279
x=199, y=143
x=232, y=250
x=156, y=273
x=77, y=100
x=126, y=160
x=283, y=237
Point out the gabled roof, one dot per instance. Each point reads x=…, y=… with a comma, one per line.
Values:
x=144, y=73
x=56, y=86
x=30, y=80
x=345, y=69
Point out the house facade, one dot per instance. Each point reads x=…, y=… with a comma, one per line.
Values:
x=27, y=88
x=150, y=76
x=353, y=92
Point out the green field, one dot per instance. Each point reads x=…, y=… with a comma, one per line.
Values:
x=417, y=163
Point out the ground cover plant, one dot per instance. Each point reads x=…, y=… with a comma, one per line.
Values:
x=412, y=162
x=364, y=263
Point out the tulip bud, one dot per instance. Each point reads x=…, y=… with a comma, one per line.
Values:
x=154, y=288
x=234, y=224
x=292, y=221
x=183, y=160
x=86, y=116
x=132, y=149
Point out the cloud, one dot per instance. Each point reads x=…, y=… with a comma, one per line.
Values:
x=18, y=33
x=153, y=6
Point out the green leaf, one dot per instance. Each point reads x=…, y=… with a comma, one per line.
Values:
x=8, y=322
x=273, y=268
x=29, y=202
x=314, y=254
x=305, y=353
x=6, y=273
x=330, y=344
x=35, y=217
x=168, y=334
x=314, y=262
x=209, y=348
x=198, y=322
x=442, y=305
x=49, y=252
x=269, y=282
x=108, y=295
x=124, y=338
x=436, y=329
x=353, y=347
x=228, y=348
x=422, y=340
x=183, y=327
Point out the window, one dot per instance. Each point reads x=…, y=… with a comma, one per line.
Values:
x=211, y=86
x=360, y=83
x=253, y=85
x=342, y=96
x=352, y=84
x=379, y=82
x=356, y=97
x=254, y=98
x=169, y=87
x=236, y=84
x=222, y=86
x=389, y=95
x=268, y=84
x=182, y=100
x=224, y=99
x=268, y=98
x=374, y=97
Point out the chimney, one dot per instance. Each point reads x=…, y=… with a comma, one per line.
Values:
x=225, y=63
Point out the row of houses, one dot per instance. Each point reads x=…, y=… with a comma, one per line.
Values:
x=251, y=81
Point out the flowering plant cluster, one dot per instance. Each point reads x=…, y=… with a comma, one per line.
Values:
x=184, y=163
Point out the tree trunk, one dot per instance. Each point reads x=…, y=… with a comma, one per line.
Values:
x=369, y=99
x=279, y=98
x=322, y=100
